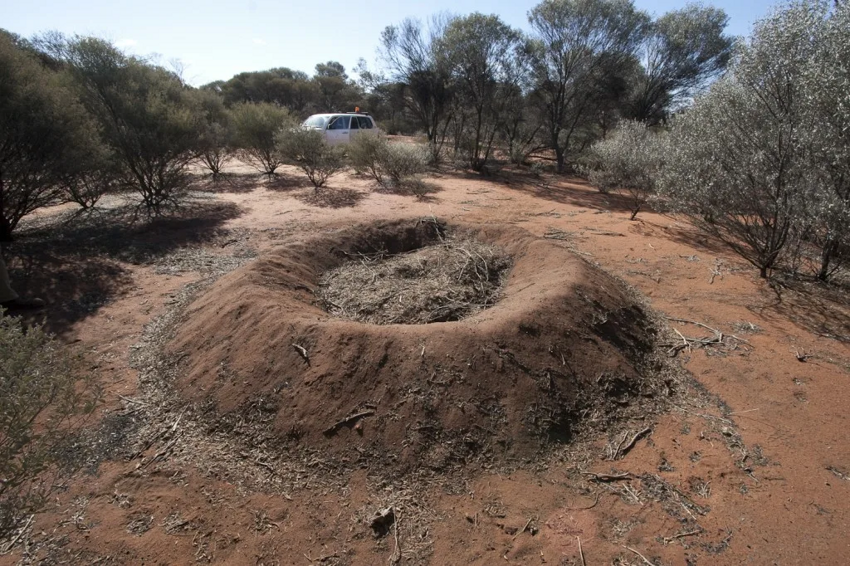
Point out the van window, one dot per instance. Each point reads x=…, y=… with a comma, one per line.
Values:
x=354, y=123
x=365, y=123
x=340, y=123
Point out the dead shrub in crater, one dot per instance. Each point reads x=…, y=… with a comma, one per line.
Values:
x=444, y=282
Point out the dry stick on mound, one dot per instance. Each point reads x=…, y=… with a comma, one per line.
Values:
x=348, y=421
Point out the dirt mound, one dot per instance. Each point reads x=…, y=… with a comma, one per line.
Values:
x=566, y=346
x=444, y=282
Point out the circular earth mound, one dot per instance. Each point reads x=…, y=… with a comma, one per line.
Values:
x=565, y=345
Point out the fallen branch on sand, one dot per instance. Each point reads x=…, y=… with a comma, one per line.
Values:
x=348, y=421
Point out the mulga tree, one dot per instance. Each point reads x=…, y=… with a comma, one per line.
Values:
x=145, y=114
x=826, y=82
x=45, y=135
x=684, y=50
x=254, y=130
x=630, y=159
x=216, y=133
x=484, y=57
x=577, y=45
x=410, y=51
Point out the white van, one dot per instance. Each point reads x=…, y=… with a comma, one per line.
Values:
x=339, y=128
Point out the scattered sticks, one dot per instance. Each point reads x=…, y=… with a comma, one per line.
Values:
x=581, y=552
x=687, y=343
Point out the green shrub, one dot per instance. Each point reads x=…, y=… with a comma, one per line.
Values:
x=254, y=129
x=365, y=153
x=393, y=165
x=403, y=162
x=631, y=160
x=41, y=399
x=308, y=150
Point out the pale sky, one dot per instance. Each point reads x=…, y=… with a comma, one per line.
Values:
x=216, y=40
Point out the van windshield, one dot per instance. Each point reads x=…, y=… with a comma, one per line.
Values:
x=316, y=121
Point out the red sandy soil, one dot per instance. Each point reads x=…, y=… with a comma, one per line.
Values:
x=778, y=494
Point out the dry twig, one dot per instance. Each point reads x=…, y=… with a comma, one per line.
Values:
x=303, y=351
x=348, y=421
x=644, y=558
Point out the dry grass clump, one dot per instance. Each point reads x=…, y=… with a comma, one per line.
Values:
x=444, y=282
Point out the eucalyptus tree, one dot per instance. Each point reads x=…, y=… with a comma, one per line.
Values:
x=577, y=45
x=484, y=58
x=684, y=50
x=410, y=52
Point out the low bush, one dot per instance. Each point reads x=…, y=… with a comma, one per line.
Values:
x=41, y=399
x=309, y=151
x=630, y=159
x=392, y=165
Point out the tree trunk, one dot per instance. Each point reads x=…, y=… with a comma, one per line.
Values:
x=829, y=249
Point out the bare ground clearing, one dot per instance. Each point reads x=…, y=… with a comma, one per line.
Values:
x=748, y=464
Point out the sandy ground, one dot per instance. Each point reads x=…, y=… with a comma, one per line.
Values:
x=778, y=494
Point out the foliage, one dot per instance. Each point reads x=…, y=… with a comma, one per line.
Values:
x=308, y=150
x=390, y=164
x=41, y=398
x=485, y=60
x=145, y=114
x=366, y=152
x=763, y=160
x=683, y=51
x=255, y=126
x=736, y=163
x=45, y=136
x=826, y=81
x=402, y=163
x=97, y=175
x=578, y=47
x=630, y=159
x=411, y=53
x=216, y=135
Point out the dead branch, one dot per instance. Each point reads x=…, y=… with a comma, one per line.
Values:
x=11, y=544
x=607, y=478
x=395, y=557
x=303, y=351
x=621, y=452
x=581, y=552
x=591, y=506
x=348, y=421
x=646, y=561
x=522, y=530
x=668, y=540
